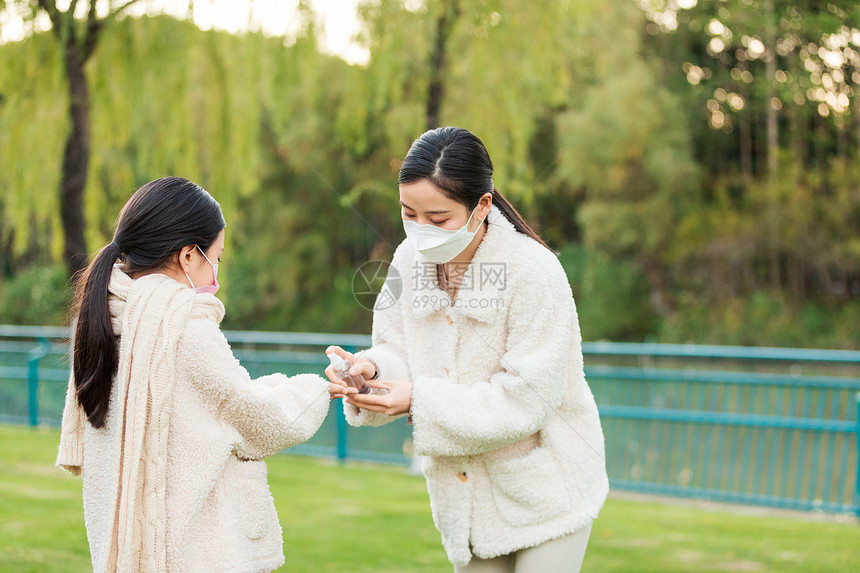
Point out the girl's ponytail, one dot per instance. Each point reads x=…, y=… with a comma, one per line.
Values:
x=95, y=356
x=515, y=218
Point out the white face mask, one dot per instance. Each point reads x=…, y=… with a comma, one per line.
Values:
x=437, y=244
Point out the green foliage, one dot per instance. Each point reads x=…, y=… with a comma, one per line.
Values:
x=615, y=127
x=765, y=319
x=31, y=88
x=611, y=295
x=168, y=99
x=292, y=267
x=38, y=295
x=627, y=156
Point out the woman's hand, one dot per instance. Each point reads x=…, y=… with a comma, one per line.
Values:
x=360, y=366
x=397, y=401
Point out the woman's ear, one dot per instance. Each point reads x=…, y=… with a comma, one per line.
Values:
x=484, y=204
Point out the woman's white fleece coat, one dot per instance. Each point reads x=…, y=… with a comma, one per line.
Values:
x=220, y=512
x=500, y=404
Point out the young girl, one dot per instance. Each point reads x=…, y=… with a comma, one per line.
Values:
x=483, y=351
x=168, y=430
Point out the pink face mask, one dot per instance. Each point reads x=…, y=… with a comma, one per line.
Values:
x=211, y=289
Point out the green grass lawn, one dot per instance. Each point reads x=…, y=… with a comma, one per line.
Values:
x=358, y=518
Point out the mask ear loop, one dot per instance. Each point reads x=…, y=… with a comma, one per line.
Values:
x=214, y=272
x=214, y=268
x=479, y=224
x=469, y=220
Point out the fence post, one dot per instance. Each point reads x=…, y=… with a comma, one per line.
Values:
x=342, y=448
x=33, y=383
x=341, y=431
x=857, y=477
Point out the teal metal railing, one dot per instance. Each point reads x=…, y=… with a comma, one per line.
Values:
x=768, y=426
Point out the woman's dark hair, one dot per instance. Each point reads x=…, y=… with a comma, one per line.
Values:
x=456, y=161
x=157, y=221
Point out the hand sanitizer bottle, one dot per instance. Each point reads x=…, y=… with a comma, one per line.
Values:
x=342, y=367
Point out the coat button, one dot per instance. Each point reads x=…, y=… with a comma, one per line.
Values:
x=450, y=321
x=462, y=476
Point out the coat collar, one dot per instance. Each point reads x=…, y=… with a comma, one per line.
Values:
x=122, y=287
x=484, y=288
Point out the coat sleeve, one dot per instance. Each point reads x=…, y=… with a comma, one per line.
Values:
x=269, y=413
x=71, y=454
x=452, y=419
x=387, y=351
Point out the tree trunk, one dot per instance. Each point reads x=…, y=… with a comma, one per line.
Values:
x=770, y=73
x=841, y=138
x=661, y=298
x=857, y=119
x=772, y=129
x=745, y=135
x=438, y=60
x=75, y=162
x=857, y=122
x=799, y=129
x=77, y=41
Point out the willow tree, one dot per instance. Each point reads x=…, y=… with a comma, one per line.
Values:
x=78, y=30
x=169, y=98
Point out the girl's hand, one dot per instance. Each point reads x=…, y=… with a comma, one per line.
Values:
x=397, y=401
x=361, y=366
x=336, y=391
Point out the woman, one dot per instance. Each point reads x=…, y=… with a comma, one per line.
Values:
x=483, y=351
x=168, y=430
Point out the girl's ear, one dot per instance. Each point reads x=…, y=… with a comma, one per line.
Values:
x=185, y=257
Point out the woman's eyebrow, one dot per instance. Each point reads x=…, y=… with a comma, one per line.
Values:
x=427, y=212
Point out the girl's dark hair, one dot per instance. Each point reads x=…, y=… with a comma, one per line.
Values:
x=157, y=221
x=456, y=161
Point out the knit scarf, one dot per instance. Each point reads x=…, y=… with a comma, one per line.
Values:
x=149, y=314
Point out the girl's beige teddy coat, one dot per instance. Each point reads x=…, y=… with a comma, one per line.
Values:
x=500, y=405
x=183, y=488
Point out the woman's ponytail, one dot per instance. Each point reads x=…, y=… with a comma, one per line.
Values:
x=95, y=356
x=515, y=218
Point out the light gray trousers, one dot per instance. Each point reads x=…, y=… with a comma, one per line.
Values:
x=563, y=555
